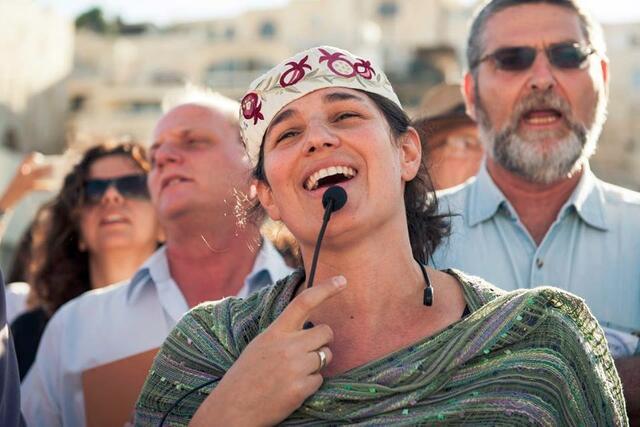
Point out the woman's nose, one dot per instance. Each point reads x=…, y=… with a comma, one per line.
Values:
x=111, y=195
x=319, y=136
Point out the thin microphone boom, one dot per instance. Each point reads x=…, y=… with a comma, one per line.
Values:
x=333, y=199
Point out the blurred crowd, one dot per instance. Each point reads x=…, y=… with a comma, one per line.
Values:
x=135, y=237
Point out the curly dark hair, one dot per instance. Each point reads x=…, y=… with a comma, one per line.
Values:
x=427, y=227
x=19, y=270
x=60, y=270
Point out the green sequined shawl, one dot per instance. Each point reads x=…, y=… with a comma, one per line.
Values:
x=520, y=358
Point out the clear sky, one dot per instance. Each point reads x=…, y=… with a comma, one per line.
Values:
x=168, y=11
x=161, y=11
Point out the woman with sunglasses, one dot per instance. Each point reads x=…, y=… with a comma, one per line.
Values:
x=97, y=231
x=380, y=339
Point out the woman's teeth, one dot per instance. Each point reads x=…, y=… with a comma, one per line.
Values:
x=312, y=182
x=113, y=218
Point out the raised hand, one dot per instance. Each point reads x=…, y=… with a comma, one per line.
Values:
x=278, y=370
x=30, y=176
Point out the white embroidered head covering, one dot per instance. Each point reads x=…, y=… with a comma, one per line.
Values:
x=305, y=72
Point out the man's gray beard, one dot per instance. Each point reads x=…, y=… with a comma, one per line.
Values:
x=525, y=158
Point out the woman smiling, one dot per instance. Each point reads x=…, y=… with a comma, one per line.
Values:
x=380, y=339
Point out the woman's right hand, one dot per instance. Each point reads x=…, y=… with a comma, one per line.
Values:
x=29, y=177
x=278, y=370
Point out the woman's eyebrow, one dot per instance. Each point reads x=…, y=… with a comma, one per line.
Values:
x=281, y=116
x=340, y=96
x=328, y=98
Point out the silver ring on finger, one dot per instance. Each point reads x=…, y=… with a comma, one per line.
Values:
x=323, y=359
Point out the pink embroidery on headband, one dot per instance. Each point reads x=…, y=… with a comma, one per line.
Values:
x=337, y=63
x=364, y=69
x=294, y=74
x=251, y=106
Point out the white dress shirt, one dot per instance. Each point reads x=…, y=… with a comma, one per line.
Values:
x=110, y=324
x=16, y=293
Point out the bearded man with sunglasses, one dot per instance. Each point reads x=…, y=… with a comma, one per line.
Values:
x=100, y=346
x=536, y=214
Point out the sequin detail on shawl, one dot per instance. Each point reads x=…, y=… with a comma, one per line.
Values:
x=520, y=358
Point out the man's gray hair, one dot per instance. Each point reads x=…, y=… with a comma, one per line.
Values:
x=591, y=29
x=192, y=94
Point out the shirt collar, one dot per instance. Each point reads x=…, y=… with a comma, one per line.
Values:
x=589, y=201
x=268, y=267
x=485, y=199
x=155, y=269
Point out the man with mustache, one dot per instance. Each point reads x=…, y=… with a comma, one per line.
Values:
x=97, y=349
x=536, y=215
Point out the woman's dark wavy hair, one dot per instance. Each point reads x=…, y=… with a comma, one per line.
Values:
x=427, y=227
x=60, y=270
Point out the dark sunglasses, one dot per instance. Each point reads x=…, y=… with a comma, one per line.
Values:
x=519, y=58
x=129, y=186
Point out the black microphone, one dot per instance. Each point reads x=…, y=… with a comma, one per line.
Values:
x=333, y=199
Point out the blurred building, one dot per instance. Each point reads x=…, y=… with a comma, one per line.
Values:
x=37, y=58
x=118, y=81
x=37, y=50
x=51, y=90
x=618, y=156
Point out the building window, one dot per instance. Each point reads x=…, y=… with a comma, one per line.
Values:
x=631, y=146
x=267, y=30
x=77, y=103
x=141, y=107
x=229, y=33
x=387, y=9
x=167, y=77
x=10, y=140
x=233, y=65
x=235, y=72
x=635, y=79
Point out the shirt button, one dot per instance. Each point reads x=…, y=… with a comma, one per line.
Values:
x=539, y=263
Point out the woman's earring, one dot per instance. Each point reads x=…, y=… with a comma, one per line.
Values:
x=427, y=298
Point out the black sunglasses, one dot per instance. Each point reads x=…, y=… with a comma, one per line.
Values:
x=519, y=58
x=129, y=186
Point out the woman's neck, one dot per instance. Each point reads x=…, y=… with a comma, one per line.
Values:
x=381, y=310
x=372, y=266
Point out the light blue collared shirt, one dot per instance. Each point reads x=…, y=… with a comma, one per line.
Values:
x=592, y=249
x=110, y=324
